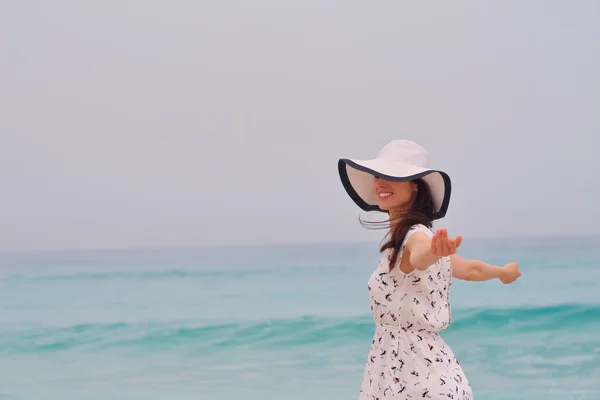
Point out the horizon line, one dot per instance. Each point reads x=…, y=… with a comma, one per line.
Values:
x=272, y=244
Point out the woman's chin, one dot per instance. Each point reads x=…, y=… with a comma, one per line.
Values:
x=389, y=204
x=384, y=205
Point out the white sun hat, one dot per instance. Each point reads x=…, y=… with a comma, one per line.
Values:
x=398, y=161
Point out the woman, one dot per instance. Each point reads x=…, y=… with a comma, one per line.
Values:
x=410, y=286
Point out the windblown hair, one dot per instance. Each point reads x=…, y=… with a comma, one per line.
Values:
x=421, y=210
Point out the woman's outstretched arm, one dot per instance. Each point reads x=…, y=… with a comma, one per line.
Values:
x=476, y=270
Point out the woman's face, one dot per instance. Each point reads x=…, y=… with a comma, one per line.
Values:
x=393, y=195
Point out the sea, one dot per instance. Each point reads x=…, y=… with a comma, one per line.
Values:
x=283, y=322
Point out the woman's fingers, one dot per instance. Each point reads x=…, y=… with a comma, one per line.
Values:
x=445, y=243
x=442, y=245
x=435, y=244
x=452, y=246
x=439, y=243
x=458, y=241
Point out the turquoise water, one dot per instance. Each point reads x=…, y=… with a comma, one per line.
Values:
x=282, y=322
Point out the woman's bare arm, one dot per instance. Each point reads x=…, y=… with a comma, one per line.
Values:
x=477, y=270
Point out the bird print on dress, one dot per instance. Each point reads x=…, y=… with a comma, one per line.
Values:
x=408, y=359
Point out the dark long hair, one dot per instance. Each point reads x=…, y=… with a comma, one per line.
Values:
x=421, y=211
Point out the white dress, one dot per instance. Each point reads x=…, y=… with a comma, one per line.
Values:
x=408, y=359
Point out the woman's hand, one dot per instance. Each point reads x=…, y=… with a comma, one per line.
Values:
x=509, y=273
x=442, y=245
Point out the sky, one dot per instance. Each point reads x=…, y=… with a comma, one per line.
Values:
x=183, y=123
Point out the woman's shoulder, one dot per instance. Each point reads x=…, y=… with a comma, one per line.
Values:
x=420, y=228
x=414, y=229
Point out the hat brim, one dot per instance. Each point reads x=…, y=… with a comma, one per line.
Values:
x=357, y=177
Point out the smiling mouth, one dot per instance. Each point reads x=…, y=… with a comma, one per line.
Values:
x=383, y=195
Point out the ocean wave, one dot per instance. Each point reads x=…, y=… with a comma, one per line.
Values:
x=276, y=333
x=536, y=318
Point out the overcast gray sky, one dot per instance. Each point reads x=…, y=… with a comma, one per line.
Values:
x=144, y=123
